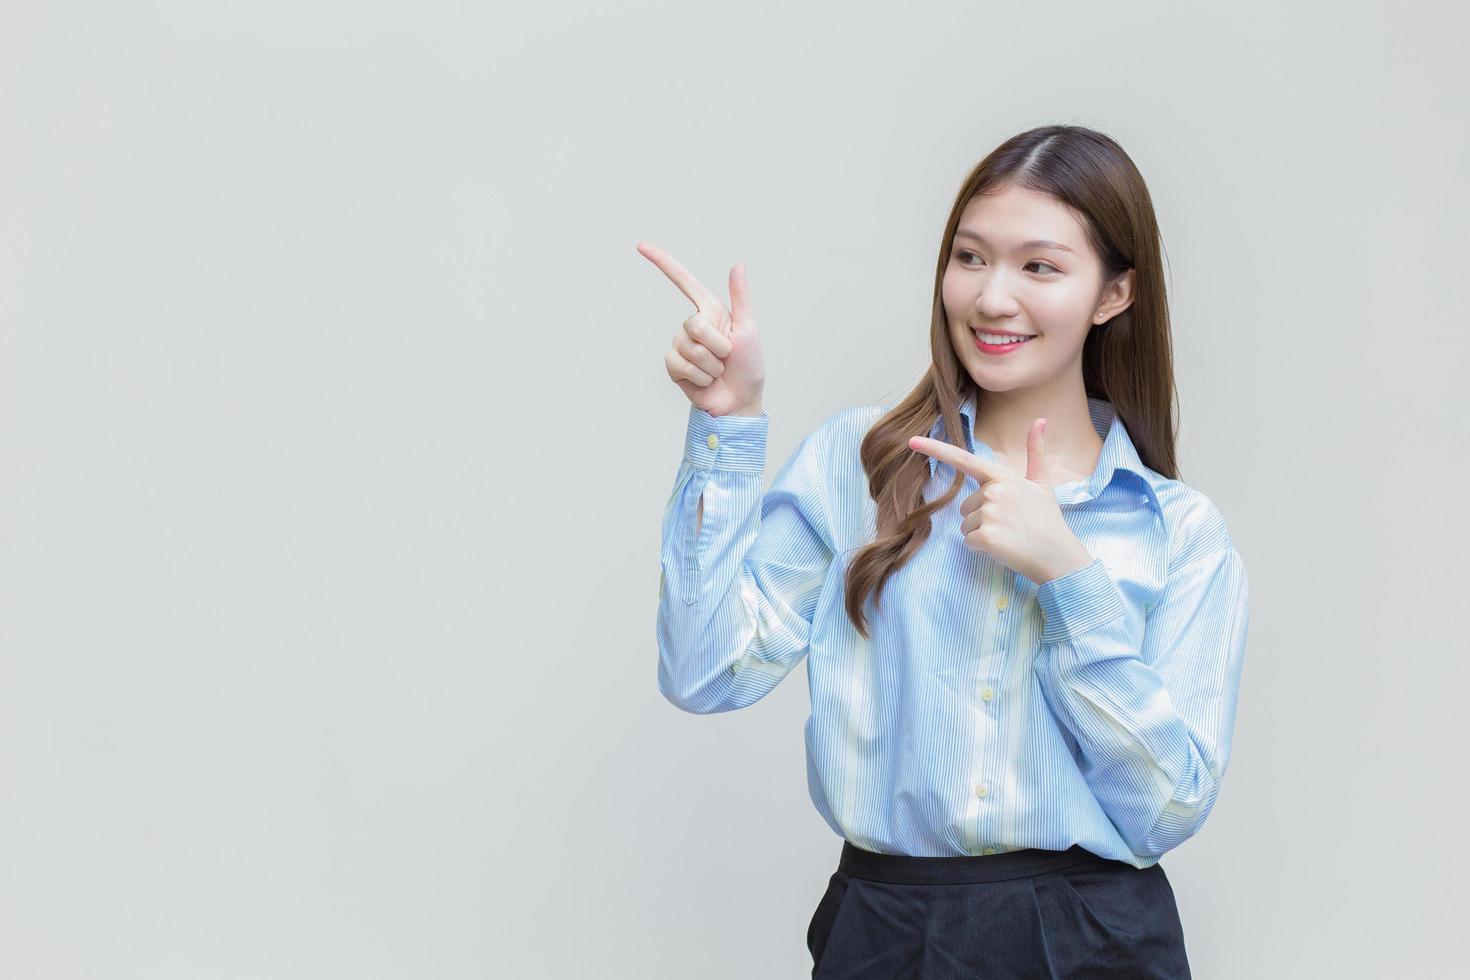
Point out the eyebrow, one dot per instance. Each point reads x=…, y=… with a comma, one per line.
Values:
x=1034, y=243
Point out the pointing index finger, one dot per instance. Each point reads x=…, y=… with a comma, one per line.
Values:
x=980, y=469
x=702, y=298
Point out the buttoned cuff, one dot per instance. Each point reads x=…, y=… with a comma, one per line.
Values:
x=727, y=442
x=1078, y=601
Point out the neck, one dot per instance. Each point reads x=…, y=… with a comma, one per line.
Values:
x=1004, y=420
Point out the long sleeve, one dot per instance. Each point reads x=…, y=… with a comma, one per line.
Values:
x=1150, y=700
x=737, y=596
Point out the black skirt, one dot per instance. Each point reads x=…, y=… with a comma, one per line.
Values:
x=1022, y=914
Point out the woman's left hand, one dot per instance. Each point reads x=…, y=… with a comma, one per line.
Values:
x=1012, y=517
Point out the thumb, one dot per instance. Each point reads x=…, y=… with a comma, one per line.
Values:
x=739, y=294
x=1036, y=468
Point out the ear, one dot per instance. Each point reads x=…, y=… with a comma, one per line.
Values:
x=1117, y=296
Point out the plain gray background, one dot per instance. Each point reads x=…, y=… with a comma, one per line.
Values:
x=336, y=438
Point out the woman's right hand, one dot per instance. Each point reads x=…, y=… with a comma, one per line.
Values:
x=716, y=356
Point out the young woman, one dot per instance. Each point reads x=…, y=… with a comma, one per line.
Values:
x=1024, y=633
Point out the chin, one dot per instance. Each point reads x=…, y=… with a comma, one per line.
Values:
x=1000, y=384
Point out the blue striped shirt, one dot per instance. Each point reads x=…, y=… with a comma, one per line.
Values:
x=986, y=713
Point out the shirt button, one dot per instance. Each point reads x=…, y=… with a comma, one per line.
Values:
x=987, y=694
x=988, y=850
x=1001, y=602
x=982, y=790
x=713, y=440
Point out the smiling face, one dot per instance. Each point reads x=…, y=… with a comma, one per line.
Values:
x=1030, y=271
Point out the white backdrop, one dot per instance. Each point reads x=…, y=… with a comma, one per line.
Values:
x=336, y=438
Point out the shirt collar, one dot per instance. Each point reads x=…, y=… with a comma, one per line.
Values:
x=1118, y=452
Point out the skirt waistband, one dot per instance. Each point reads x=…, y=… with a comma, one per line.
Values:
x=910, y=869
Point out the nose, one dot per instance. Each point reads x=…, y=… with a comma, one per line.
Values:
x=995, y=301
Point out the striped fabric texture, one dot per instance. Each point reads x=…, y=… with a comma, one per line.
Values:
x=986, y=713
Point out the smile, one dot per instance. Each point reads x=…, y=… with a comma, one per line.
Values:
x=1010, y=344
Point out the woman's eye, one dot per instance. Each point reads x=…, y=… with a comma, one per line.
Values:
x=962, y=253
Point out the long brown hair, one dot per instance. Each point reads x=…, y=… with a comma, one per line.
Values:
x=1127, y=360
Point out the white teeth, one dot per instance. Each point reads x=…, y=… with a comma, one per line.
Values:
x=1000, y=338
